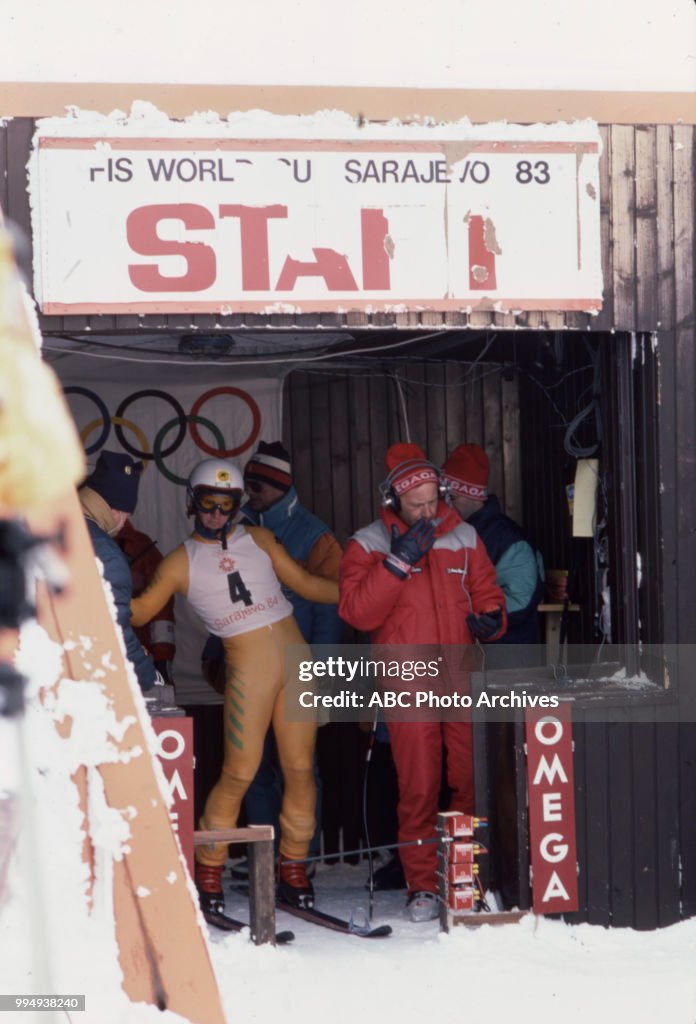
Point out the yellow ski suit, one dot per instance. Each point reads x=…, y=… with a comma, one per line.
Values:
x=257, y=676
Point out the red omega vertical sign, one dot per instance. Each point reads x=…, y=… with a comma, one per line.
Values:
x=551, y=810
x=175, y=753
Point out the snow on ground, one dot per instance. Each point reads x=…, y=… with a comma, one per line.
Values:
x=539, y=971
x=536, y=972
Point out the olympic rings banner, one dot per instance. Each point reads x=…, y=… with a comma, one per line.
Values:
x=170, y=417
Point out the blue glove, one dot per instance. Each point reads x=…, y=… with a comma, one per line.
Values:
x=486, y=624
x=408, y=548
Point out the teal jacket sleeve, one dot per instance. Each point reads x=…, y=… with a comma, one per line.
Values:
x=517, y=573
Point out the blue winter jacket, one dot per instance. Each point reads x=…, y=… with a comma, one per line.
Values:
x=518, y=567
x=298, y=530
x=118, y=575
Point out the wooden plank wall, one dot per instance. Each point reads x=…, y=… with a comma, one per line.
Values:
x=678, y=482
x=339, y=425
x=632, y=822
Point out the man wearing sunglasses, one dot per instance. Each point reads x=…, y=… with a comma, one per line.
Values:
x=232, y=574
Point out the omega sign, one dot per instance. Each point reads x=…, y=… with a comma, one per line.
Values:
x=551, y=810
x=175, y=753
x=456, y=217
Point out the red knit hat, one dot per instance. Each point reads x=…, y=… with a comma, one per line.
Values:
x=408, y=467
x=466, y=471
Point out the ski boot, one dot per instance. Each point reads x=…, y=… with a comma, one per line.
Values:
x=294, y=887
x=422, y=906
x=211, y=896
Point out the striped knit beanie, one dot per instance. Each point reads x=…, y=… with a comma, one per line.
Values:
x=408, y=468
x=270, y=464
x=466, y=472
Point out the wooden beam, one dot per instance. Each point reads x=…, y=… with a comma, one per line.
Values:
x=495, y=917
x=162, y=951
x=253, y=834
x=524, y=106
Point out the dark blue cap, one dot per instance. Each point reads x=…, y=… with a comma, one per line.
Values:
x=116, y=477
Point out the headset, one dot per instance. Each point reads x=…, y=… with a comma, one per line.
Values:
x=390, y=499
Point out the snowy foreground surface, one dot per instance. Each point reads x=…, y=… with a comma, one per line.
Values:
x=538, y=971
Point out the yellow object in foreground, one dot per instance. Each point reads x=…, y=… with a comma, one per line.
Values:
x=40, y=451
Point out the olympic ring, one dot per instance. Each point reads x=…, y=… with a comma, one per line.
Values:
x=105, y=418
x=104, y=423
x=226, y=453
x=117, y=421
x=181, y=417
x=161, y=433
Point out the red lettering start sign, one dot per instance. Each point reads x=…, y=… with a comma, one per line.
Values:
x=451, y=217
x=549, y=738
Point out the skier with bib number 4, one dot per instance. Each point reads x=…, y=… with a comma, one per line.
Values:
x=231, y=575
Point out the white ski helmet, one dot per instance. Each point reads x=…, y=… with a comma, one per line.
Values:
x=214, y=475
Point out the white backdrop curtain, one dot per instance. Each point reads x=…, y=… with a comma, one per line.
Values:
x=171, y=416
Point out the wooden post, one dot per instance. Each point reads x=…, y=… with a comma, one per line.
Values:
x=262, y=891
x=261, y=874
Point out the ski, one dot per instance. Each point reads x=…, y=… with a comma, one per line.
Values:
x=231, y=924
x=336, y=924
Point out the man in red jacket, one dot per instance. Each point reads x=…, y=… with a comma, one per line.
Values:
x=419, y=575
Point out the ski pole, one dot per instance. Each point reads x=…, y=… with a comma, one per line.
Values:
x=480, y=822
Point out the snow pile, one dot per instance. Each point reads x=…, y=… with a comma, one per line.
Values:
x=146, y=120
x=536, y=972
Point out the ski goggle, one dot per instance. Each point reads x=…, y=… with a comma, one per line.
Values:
x=212, y=501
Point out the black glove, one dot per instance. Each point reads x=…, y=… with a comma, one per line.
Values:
x=408, y=548
x=486, y=624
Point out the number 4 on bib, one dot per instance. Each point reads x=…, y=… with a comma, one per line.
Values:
x=238, y=592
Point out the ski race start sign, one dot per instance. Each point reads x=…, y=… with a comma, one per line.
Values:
x=299, y=215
